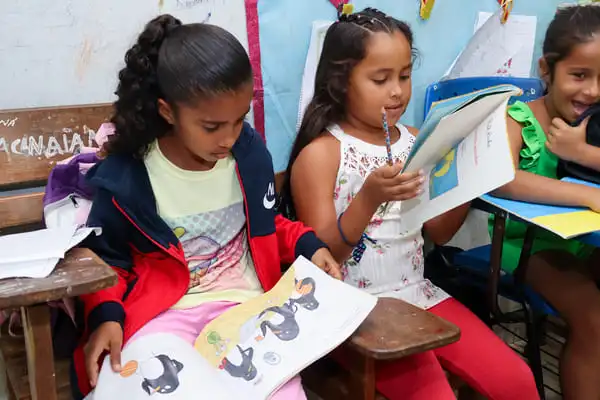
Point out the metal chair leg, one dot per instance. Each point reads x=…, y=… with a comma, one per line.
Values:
x=533, y=324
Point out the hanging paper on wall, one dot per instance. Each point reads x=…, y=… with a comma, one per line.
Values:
x=492, y=45
x=521, y=28
x=426, y=7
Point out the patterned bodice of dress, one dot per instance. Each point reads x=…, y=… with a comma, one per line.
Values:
x=392, y=264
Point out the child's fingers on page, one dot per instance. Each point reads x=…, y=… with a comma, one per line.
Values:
x=334, y=271
x=115, y=355
x=91, y=363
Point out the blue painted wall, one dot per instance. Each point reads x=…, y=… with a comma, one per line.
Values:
x=285, y=27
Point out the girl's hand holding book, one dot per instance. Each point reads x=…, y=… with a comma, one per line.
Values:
x=387, y=184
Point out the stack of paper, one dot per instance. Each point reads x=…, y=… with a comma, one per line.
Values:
x=35, y=254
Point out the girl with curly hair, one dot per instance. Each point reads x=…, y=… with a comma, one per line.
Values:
x=185, y=198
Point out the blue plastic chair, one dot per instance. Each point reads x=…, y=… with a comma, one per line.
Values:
x=477, y=263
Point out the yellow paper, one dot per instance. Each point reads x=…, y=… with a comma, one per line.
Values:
x=570, y=224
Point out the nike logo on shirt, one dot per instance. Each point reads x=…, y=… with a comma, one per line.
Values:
x=269, y=199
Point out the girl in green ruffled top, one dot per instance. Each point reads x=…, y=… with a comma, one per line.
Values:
x=564, y=272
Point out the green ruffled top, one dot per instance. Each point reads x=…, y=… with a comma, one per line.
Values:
x=537, y=159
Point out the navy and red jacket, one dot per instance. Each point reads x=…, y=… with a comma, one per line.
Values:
x=152, y=271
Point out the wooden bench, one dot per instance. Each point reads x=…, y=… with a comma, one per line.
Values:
x=31, y=142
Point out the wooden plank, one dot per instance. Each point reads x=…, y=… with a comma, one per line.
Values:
x=33, y=140
x=328, y=380
x=40, y=356
x=80, y=272
x=19, y=378
x=396, y=329
x=23, y=209
x=15, y=360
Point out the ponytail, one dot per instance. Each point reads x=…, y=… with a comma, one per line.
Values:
x=136, y=118
x=179, y=64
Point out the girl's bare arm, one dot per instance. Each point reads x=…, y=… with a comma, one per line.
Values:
x=534, y=188
x=313, y=181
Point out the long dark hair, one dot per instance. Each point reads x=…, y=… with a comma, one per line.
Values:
x=571, y=25
x=344, y=47
x=179, y=64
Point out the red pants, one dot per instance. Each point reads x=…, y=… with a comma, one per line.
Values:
x=480, y=358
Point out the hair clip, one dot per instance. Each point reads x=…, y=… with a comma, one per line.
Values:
x=347, y=9
x=507, y=6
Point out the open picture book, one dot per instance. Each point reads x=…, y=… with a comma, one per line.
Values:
x=464, y=151
x=249, y=351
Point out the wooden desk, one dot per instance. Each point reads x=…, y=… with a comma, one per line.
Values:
x=393, y=330
x=402, y=329
x=80, y=272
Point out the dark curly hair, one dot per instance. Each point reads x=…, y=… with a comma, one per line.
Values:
x=571, y=25
x=344, y=47
x=179, y=64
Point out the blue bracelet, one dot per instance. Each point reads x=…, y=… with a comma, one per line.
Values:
x=344, y=238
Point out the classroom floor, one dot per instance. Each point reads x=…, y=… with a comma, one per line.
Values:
x=513, y=335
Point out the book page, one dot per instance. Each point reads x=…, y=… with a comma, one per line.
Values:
x=476, y=165
x=160, y=365
x=262, y=343
x=452, y=120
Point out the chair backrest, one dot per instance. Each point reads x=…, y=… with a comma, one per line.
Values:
x=31, y=142
x=532, y=88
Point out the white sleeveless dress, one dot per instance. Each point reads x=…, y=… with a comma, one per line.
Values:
x=392, y=263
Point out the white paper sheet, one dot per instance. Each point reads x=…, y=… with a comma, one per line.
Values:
x=523, y=27
x=492, y=46
x=35, y=254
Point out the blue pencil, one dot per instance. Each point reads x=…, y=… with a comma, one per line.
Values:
x=388, y=140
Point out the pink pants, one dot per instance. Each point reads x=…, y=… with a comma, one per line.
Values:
x=188, y=323
x=479, y=358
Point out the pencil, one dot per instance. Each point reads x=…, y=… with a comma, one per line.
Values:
x=388, y=140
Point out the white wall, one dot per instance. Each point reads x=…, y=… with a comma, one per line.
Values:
x=68, y=52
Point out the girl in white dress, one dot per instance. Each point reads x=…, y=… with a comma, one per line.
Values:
x=339, y=182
